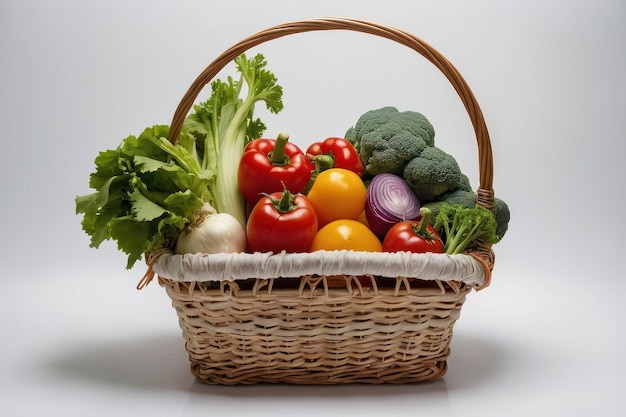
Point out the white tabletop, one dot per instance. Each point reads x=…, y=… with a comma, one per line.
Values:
x=530, y=343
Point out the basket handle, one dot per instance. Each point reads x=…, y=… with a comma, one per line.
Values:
x=485, y=194
x=481, y=251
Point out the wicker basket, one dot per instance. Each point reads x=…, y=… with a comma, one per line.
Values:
x=324, y=317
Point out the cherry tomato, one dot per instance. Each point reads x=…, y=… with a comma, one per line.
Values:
x=407, y=236
x=346, y=234
x=337, y=193
x=341, y=150
x=282, y=221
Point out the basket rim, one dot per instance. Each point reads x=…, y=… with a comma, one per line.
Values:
x=201, y=267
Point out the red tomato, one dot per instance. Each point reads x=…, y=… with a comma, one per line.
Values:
x=407, y=236
x=282, y=221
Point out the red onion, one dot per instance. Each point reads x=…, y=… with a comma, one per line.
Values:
x=389, y=201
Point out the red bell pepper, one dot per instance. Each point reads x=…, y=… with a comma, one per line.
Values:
x=342, y=152
x=272, y=165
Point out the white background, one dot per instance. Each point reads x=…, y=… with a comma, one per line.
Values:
x=546, y=338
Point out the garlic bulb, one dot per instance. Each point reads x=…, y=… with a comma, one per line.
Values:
x=212, y=232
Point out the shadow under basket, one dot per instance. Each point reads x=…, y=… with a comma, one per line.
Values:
x=324, y=317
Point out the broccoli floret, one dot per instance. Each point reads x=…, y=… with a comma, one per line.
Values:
x=387, y=139
x=432, y=173
x=460, y=196
x=459, y=226
x=467, y=199
x=464, y=183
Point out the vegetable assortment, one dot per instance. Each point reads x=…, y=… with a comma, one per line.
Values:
x=222, y=187
x=403, y=143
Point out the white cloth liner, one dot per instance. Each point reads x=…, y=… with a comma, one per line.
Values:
x=232, y=266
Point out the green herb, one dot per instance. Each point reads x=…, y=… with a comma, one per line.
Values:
x=148, y=189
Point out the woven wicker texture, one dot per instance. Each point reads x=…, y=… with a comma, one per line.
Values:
x=323, y=329
x=236, y=337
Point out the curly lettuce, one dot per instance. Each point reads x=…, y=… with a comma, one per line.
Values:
x=148, y=189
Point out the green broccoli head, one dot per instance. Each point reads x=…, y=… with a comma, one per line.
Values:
x=432, y=174
x=464, y=183
x=503, y=216
x=387, y=139
x=458, y=196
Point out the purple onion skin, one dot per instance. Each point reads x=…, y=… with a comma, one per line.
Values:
x=389, y=200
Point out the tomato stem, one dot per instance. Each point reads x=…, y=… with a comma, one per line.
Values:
x=426, y=213
x=286, y=202
x=421, y=229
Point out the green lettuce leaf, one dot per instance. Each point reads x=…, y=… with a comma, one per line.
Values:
x=147, y=191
